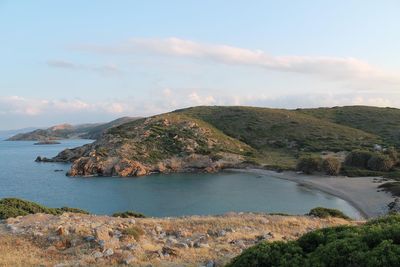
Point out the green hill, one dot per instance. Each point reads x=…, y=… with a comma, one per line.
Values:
x=383, y=122
x=211, y=138
x=265, y=129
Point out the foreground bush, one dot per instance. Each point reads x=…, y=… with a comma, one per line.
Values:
x=129, y=214
x=325, y=212
x=331, y=166
x=309, y=164
x=375, y=244
x=13, y=207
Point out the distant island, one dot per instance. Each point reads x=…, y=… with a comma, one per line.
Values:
x=352, y=140
x=67, y=131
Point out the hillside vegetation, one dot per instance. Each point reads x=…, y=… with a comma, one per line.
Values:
x=377, y=243
x=211, y=138
x=383, y=122
x=13, y=207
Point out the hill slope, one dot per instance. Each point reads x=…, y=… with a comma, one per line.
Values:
x=164, y=143
x=67, y=131
x=384, y=122
x=211, y=138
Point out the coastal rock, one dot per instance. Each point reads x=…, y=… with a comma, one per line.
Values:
x=180, y=145
x=394, y=206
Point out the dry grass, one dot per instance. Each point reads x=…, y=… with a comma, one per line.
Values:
x=16, y=251
x=29, y=250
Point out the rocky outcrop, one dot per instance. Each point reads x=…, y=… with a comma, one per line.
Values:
x=161, y=144
x=394, y=206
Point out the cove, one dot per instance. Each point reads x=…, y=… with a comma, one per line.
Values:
x=155, y=195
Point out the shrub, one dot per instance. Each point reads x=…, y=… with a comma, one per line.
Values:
x=309, y=164
x=374, y=244
x=331, y=166
x=72, y=210
x=326, y=212
x=129, y=214
x=380, y=162
x=271, y=254
x=13, y=207
x=392, y=154
x=133, y=231
x=358, y=158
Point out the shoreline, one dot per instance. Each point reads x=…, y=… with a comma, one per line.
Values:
x=359, y=192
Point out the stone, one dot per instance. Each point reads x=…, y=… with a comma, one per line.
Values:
x=97, y=255
x=117, y=234
x=109, y=252
x=53, y=239
x=158, y=229
x=263, y=237
x=201, y=245
x=102, y=233
x=182, y=245
x=131, y=246
x=221, y=233
x=128, y=259
x=210, y=264
x=61, y=231
x=240, y=244
x=171, y=241
x=166, y=251
x=89, y=238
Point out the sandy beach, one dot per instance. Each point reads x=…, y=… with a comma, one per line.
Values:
x=361, y=192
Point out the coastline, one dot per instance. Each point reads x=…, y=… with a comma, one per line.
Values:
x=360, y=192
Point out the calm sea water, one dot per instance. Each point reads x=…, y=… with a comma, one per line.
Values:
x=155, y=195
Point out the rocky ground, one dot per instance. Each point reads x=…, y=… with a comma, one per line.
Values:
x=80, y=240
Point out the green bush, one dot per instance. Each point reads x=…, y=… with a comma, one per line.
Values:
x=13, y=207
x=331, y=166
x=374, y=244
x=358, y=158
x=380, y=162
x=326, y=212
x=309, y=164
x=129, y=214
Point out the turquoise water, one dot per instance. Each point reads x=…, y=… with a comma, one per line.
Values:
x=155, y=195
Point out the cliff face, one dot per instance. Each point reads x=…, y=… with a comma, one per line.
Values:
x=164, y=143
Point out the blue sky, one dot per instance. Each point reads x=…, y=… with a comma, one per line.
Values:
x=87, y=61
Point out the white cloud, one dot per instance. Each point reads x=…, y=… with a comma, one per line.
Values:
x=355, y=72
x=108, y=69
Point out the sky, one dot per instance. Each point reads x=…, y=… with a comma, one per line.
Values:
x=94, y=61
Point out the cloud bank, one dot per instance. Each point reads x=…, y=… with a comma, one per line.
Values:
x=353, y=71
